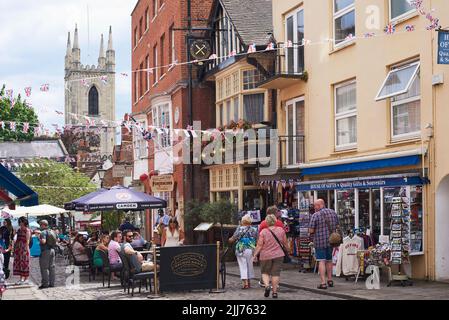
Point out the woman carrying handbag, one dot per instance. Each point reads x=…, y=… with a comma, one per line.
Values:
x=273, y=248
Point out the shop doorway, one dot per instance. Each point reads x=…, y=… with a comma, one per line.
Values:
x=442, y=231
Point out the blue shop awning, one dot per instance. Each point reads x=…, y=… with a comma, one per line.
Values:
x=14, y=185
x=363, y=166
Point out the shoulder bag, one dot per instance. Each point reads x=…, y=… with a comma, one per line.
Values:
x=335, y=238
x=287, y=258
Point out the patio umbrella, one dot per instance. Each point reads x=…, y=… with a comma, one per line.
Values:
x=116, y=198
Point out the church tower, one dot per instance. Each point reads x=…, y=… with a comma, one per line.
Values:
x=90, y=91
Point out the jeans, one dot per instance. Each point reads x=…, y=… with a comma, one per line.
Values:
x=47, y=265
x=7, y=257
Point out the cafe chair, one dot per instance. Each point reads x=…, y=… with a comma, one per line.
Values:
x=131, y=276
x=82, y=264
x=107, y=269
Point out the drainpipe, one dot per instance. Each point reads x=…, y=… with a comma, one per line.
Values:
x=190, y=94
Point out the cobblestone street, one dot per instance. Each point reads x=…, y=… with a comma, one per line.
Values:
x=94, y=290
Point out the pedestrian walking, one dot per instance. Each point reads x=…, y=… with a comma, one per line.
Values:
x=245, y=239
x=21, y=264
x=271, y=246
x=6, y=236
x=47, y=241
x=172, y=235
x=322, y=224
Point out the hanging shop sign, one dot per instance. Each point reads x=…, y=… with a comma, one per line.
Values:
x=443, y=47
x=188, y=268
x=359, y=184
x=163, y=183
x=121, y=171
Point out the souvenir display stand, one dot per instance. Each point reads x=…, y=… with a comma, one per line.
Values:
x=305, y=250
x=400, y=239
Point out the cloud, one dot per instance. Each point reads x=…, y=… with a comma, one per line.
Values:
x=34, y=36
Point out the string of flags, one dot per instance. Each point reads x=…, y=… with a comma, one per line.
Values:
x=59, y=187
x=275, y=183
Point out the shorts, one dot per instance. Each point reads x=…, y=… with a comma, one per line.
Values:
x=324, y=254
x=272, y=267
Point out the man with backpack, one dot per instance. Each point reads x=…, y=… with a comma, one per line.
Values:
x=47, y=240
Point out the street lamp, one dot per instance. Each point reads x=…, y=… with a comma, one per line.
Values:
x=101, y=172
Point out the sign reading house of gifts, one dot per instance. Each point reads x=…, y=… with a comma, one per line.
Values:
x=164, y=183
x=443, y=47
x=188, y=268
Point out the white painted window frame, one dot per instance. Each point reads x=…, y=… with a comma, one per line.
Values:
x=344, y=115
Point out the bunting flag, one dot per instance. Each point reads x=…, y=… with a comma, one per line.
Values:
x=2, y=124
x=435, y=24
x=12, y=126
x=28, y=92
x=84, y=82
x=416, y=3
x=409, y=28
x=45, y=87
x=349, y=37
x=9, y=93
x=390, y=29
x=59, y=113
x=270, y=47
x=289, y=44
x=124, y=74
x=104, y=79
x=369, y=35
x=306, y=42
x=28, y=104
x=252, y=48
x=233, y=53
x=104, y=123
x=150, y=71
x=13, y=102
x=213, y=57
x=26, y=127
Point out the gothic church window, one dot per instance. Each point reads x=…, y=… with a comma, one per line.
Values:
x=93, y=101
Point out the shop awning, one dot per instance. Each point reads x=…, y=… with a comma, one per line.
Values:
x=361, y=183
x=412, y=160
x=14, y=185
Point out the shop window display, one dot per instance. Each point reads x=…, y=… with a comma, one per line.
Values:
x=389, y=194
x=346, y=209
x=364, y=208
x=416, y=219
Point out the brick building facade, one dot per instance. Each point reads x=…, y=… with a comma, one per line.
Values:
x=161, y=98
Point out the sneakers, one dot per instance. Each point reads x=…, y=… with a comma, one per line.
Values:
x=261, y=284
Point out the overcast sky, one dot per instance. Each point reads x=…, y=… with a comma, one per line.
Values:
x=33, y=41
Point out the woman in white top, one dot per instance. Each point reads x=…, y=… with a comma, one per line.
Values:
x=172, y=236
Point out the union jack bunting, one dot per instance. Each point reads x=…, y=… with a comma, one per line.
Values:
x=104, y=123
x=213, y=57
x=2, y=124
x=390, y=29
x=409, y=28
x=84, y=82
x=124, y=74
x=28, y=91
x=9, y=93
x=45, y=87
x=12, y=126
x=369, y=35
x=270, y=46
x=13, y=102
x=104, y=79
x=26, y=127
x=416, y=3
x=289, y=44
x=233, y=53
x=435, y=25
x=252, y=48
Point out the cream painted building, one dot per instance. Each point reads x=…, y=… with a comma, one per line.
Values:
x=372, y=114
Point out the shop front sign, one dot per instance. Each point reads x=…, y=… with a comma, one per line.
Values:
x=359, y=184
x=164, y=183
x=443, y=47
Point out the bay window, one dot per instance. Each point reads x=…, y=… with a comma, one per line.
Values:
x=162, y=119
x=346, y=116
x=253, y=107
x=344, y=20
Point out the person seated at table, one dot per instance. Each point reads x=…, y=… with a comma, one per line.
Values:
x=138, y=240
x=79, y=249
x=114, y=248
x=126, y=225
x=102, y=246
x=136, y=258
x=93, y=239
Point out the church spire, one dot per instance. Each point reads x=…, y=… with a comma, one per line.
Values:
x=68, y=55
x=102, y=56
x=110, y=54
x=110, y=39
x=76, y=52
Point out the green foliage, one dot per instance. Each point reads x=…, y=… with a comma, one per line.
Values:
x=192, y=215
x=111, y=220
x=19, y=113
x=221, y=212
x=59, y=175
